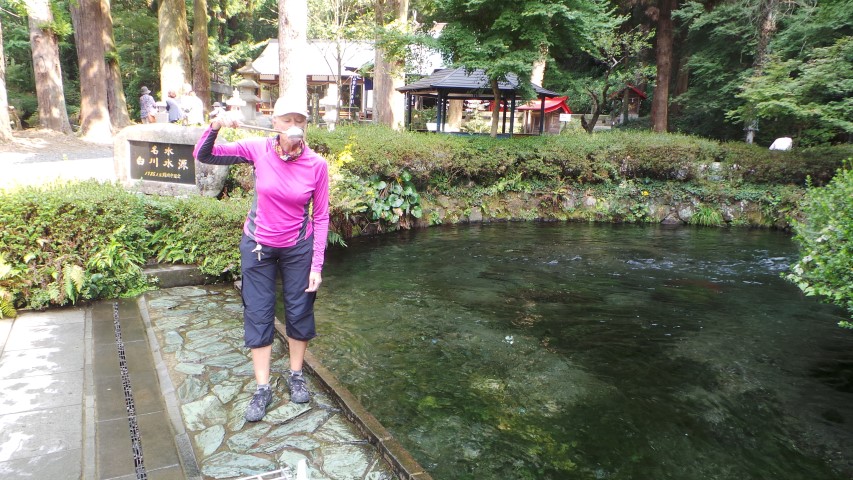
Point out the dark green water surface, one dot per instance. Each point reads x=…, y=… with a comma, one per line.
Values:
x=573, y=351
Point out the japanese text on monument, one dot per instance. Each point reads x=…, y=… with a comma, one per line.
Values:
x=162, y=162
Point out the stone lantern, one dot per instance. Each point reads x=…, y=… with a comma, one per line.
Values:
x=247, y=89
x=330, y=104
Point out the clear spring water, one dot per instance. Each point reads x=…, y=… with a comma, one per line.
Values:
x=573, y=351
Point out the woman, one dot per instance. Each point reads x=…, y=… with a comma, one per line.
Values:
x=174, y=109
x=147, y=108
x=285, y=233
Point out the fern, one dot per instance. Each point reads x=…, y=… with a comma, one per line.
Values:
x=335, y=238
x=7, y=307
x=73, y=277
x=7, y=300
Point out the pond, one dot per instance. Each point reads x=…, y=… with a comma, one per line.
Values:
x=575, y=351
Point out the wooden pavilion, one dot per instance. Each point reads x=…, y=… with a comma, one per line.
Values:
x=458, y=84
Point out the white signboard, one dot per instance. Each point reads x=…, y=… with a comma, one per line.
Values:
x=565, y=117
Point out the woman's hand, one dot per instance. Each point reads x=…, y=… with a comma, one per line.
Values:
x=314, y=281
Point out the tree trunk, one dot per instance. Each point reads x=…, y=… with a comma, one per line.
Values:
x=5, y=126
x=496, y=107
x=339, y=69
x=88, y=23
x=388, y=104
x=597, y=107
x=682, y=83
x=48, y=73
x=116, y=101
x=201, y=56
x=292, y=44
x=454, y=114
x=538, y=74
x=174, y=46
x=766, y=30
x=663, y=59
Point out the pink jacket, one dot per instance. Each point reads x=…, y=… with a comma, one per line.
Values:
x=291, y=199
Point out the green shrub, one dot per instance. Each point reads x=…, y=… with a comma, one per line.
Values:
x=751, y=163
x=825, y=236
x=52, y=236
x=65, y=243
x=458, y=160
x=199, y=230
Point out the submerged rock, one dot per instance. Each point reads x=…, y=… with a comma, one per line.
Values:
x=346, y=461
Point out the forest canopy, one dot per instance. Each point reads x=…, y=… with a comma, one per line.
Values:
x=775, y=68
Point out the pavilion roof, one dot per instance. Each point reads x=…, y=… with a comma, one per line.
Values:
x=459, y=83
x=632, y=88
x=321, y=58
x=552, y=104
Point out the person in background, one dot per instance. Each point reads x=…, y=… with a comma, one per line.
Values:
x=284, y=235
x=175, y=112
x=192, y=106
x=147, y=109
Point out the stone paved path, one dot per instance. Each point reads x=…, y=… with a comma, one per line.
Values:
x=200, y=333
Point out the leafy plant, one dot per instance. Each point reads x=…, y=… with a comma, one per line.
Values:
x=115, y=268
x=7, y=299
x=825, y=236
x=706, y=216
x=392, y=202
x=73, y=277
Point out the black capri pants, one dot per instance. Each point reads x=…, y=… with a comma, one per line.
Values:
x=261, y=265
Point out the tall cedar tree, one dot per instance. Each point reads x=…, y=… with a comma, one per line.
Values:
x=201, y=56
x=175, y=69
x=116, y=99
x=88, y=20
x=390, y=62
x=292, y=44
x=5, y=126
x=662, y=15
x=46, y=67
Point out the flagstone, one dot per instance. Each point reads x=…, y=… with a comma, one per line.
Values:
x=228, y=464
x=348, y=462
x=286, y=412
x=336, y=430
x=226, y=391
x=247, y=438
x=190, y=368
x=191, y=389
x=202, y=413
x=210, y=439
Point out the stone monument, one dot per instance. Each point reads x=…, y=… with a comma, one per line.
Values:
x=157, y=158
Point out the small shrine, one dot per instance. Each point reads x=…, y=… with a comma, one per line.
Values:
x=551, y=111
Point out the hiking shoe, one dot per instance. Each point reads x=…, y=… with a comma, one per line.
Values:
x=258, y=406
x=298, y=390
